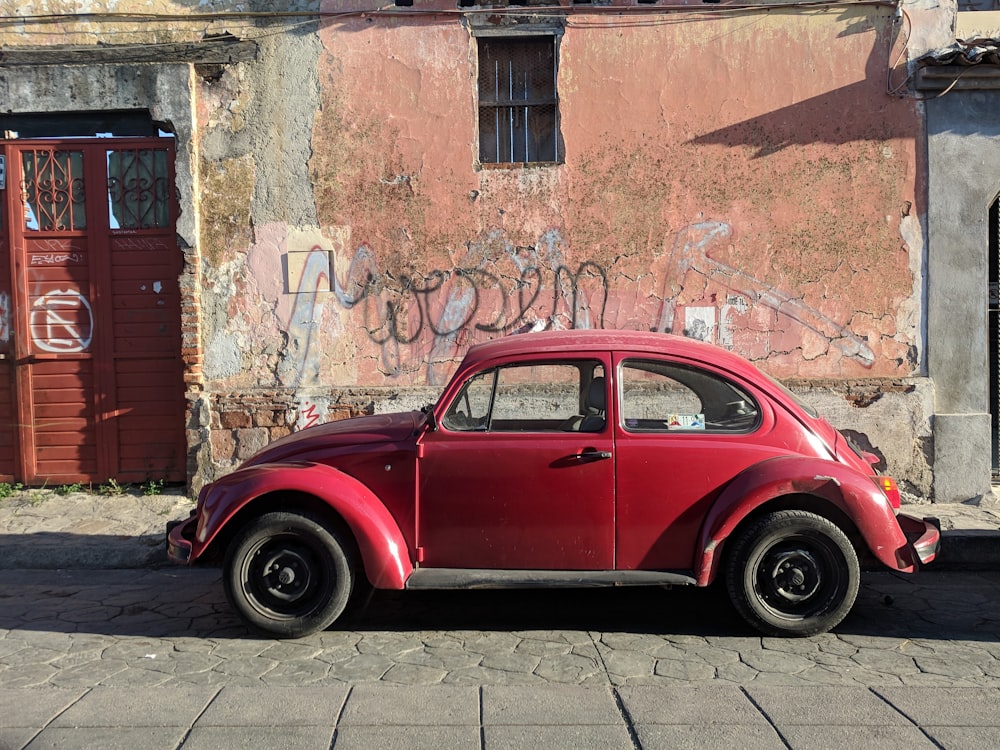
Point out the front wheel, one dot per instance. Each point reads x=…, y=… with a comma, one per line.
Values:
x=289, y=574
x=792, y=573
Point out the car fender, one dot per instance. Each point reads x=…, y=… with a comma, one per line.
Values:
x=853, y=493
x=383, y=549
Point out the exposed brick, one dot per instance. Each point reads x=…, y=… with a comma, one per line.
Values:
x=280, y=432
x=341, y=412
x=264, y=417
x=235, y=419
x=223, y=444
x=251, y=441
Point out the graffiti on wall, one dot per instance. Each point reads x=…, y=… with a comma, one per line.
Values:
x=424, y=321
x=421, y=323
x=690, y=268
x=5, y=317
x=309, y=414
x=62, y=321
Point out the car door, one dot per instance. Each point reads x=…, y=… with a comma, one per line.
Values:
x=519, y=473
x=684, y=431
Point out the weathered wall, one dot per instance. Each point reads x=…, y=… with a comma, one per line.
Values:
x=741, y=178
x=729, y=204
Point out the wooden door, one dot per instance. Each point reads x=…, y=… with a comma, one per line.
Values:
x=94, y=357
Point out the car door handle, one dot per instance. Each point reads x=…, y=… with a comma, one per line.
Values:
x=590, y=456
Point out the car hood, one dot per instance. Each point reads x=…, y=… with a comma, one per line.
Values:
x=313, y=443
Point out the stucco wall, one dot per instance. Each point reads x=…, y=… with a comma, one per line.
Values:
x=704, y=191
x=727, y=204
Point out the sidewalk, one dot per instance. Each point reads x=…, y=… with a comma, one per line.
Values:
x=502, y=717
x=42, y=529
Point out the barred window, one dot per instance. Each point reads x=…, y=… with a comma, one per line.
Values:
x=518, y=102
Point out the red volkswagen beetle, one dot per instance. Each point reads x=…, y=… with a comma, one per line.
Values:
x=576, y=458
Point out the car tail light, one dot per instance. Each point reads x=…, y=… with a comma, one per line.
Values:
x=891, y=490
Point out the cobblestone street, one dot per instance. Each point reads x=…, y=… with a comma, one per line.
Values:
x=173, y=627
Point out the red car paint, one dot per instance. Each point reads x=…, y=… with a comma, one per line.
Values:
x=418, y=495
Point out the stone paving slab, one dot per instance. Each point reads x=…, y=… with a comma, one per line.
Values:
x=699, y=705
x=824, y=706
x=127, y=707
x=946, y=707
x=551, y=719
x=699, y=737
x=841, y=737
x=275, y=707
x=108, y=738
x=391, y=705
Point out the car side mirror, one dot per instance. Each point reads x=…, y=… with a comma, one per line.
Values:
x=429, y=421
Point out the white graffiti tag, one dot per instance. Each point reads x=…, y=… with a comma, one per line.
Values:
x=62, y=321
x=4, y=317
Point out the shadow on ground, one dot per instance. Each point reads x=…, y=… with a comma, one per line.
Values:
x=189, y=602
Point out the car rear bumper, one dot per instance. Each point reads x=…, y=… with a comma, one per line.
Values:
x=923, y=536
x=180, y=540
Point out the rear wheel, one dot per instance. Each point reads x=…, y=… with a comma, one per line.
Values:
x=793, y=573
x=289, y=574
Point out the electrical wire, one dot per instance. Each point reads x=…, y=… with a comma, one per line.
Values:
x=900, y=90
x=385, y=10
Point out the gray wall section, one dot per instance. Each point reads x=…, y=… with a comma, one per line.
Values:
x=963, y=157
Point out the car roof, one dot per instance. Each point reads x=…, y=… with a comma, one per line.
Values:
x=555, y=342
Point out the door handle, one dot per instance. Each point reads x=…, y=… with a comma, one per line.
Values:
x=590, y=456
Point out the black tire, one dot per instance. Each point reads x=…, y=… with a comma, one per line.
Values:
x=792, y=573
x=289, y=574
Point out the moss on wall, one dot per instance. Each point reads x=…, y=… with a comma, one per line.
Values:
x=226, y=192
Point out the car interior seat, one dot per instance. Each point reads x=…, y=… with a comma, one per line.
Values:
x=594, y=406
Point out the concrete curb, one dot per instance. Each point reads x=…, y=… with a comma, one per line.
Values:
x=963, y=549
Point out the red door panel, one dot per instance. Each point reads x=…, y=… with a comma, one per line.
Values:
x=511, y=481
x=518, y=502
x=95, y=368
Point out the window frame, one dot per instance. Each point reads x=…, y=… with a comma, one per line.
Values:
x=586, y=368
x=552, y=32
x=669, y=366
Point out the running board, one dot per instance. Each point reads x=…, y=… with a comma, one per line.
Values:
x=470, y=578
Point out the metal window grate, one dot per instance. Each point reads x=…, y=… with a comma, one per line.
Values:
x=53, y=190
x=518, y=103
x=138, y=188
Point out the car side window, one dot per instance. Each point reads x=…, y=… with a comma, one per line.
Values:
x=471, y=408
x=535, y=397
x=664, y=397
